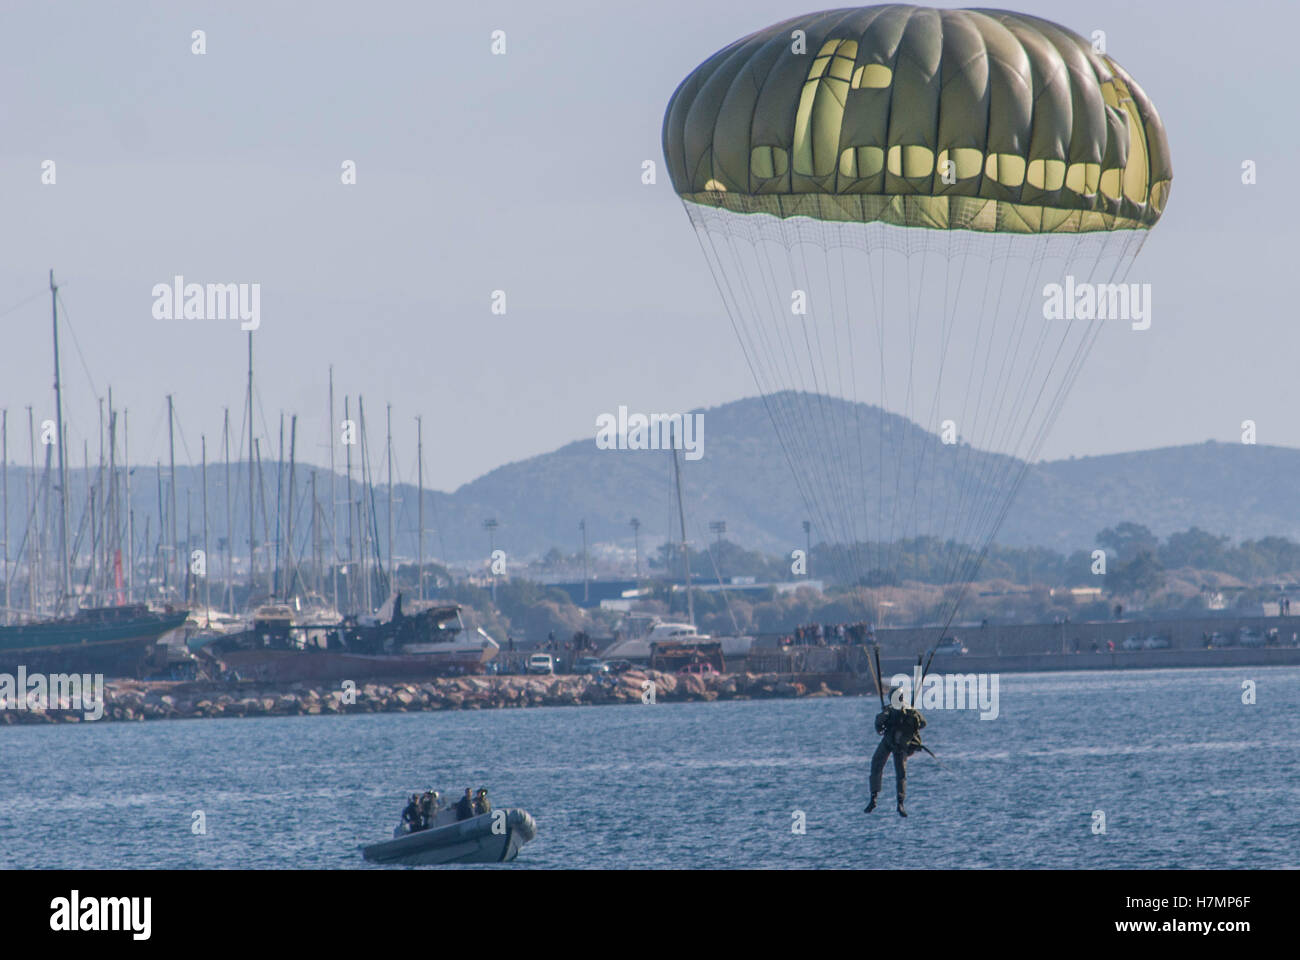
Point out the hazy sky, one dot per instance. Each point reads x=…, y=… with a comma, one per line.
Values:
x=522, y=173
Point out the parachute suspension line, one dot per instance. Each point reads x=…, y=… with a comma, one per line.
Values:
x=983, y=423
x=815, y=406
x=816, y=460
x=760, y=354
x=997, y=434
x=947, y=323
x=840, y=471
x=860, y=585
x=843, y=483
x=946, y=326
x=809, y=373
x=1124, y=261
x=976, y=485
x=958, y=475
x=802, y=402
x=1025, y=454
x=962, y=454
x=963, y=469
x=731, y=304
x=910, y=427
x=1003, y=437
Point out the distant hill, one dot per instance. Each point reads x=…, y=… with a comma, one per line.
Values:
x=744, y=478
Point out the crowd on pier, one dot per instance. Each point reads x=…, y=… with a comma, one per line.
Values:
x=829, y=635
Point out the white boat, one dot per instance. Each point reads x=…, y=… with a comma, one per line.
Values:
x=638, y=648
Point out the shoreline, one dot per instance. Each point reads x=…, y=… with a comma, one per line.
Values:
x=137, y=700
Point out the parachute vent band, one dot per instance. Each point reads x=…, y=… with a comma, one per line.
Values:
x=934, y=213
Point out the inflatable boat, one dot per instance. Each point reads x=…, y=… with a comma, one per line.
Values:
x=488, y=838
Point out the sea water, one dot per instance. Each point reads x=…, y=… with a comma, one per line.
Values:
x=1141, y=769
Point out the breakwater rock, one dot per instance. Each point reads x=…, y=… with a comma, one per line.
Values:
x=134, y=700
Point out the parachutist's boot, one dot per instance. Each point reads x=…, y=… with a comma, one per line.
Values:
x=901, y=811
x=872, y=805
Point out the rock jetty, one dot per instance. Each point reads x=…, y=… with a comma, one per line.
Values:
x=165, y=700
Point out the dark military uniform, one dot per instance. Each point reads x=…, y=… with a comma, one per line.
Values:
x=428, y=809
x=465, y=807
x=901, y=736
x=411, y=815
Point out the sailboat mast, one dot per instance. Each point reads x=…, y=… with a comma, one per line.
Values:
x=113, y=560
x=171, y=519
x=266, y=520
x=162, y=526
x=288, y=548
x=351, y=561
x=364, y=514
x=315, y=539
x=99, y=553
x=130, y=510
x=252, y=557
x=334, y=503
x=4, y=464
x=230, y=531
x=191, y=585
x=277, y=580
x=207, y=593
x=419, y=470
x=66, y=573
x=392, y=574
x=686, y=553
x=33, y=549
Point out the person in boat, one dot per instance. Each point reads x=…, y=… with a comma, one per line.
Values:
x=900, y=728
x=482, y=804
x=430, y=804
x=411, y=815
x=465, y=806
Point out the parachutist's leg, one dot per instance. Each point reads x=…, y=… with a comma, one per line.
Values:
x=900, y=778
x=877, y=771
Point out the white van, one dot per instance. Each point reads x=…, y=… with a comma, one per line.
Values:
x=541, y=663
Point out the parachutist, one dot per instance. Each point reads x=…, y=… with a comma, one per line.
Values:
x=900, y=727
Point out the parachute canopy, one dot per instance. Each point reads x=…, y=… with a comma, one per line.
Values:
x=974, y=119
x=885, y=196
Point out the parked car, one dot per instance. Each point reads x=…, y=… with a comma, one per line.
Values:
x=703, y=668
x=1132, y=643
x=951, y=645
x=1221, y=640
x=541, y=663
x=1156, y=643
x=618, y=666
x=591, y=665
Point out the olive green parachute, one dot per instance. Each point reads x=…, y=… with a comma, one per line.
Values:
x=971, y=119
x=891, y=199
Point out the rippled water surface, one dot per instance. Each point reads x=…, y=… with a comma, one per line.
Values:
x=1186, y=775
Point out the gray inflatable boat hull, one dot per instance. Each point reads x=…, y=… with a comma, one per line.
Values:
x=489, y=838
